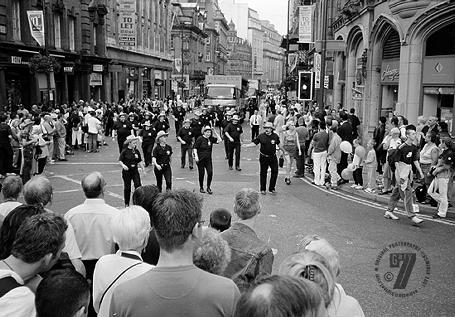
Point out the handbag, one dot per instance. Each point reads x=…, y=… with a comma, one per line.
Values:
x=281, y=161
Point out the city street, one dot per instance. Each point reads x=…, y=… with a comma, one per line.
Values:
x=356, y=228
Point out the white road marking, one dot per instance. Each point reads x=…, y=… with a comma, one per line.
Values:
x=69, y=179
x=190, y=182
x=272, y=216
x=86, y=163
x=377, y=205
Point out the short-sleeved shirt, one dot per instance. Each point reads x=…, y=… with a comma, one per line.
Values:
x=268, y=143
x=123, y=129
x=196, y=126
x=206, y=119
x=162, y=154
x=130, y=157
x=321, y=142
x=161, y=126
x=148, y=136
x=186, y=134
x=408, y=154
x=204, y=147
x=179, y=114
x=234, y=130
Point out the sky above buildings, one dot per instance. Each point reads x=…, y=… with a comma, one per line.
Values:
x=273, y=10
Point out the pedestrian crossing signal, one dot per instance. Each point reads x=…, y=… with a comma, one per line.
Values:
x=305, y=89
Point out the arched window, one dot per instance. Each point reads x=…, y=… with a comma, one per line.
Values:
x=391, y=48
x=442, y=42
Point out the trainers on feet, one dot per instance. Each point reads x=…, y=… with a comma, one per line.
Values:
x=390, y=215
x=358, y=187
x=263, y=192
x=368, y=190
x=416, y=220
x=353, y=186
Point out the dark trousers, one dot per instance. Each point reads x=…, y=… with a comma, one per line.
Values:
x=300, y=162
x=167, y=173
x=120, y=144
x=202, y=166
x=178, y=126
x=186, y=148
x=266, y=162
x=6, y=159
x=90, y=269
x=128, y=176
x=343, y=163
x=147, y=149
x=41, y=164
x=357, y=175
x=234, y=146
x=254, y=132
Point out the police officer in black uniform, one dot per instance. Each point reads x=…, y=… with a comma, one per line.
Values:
x=196, y=125
x=185, y=137
x=130, y=160
x=179, y=115
x=267, y=156
x=148, y=135
x=162, y=161
x=122, y=129
x=233, y=133
x=162, y=124
x=205, y=118
x=224, y=124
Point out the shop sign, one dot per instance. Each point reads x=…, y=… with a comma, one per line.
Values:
x=97, y=68
x=157, y=74
x=68, y=69
x=328, y=81
x=115, y=68
x=127, y=23
x=2, y=29
x=159, y=82
x=439, y=70
x=390, y=71
x=16, y=60
x=36, y=24
x=96, y=79
x=317, y=70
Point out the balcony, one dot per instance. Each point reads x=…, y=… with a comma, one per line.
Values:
x=350, y=10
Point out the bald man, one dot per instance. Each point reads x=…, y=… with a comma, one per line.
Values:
x=91, y=222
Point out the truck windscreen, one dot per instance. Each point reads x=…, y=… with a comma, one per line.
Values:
x=220, y=93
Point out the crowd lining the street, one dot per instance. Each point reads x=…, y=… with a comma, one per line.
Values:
x=156, y=257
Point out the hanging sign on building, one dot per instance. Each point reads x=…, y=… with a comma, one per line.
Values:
x=36, y=24
x=178, y=64
x=127, y=23
x=159, y=82
x=305, y=24
x=96, y=79
x=317, y=70
x=157, y=74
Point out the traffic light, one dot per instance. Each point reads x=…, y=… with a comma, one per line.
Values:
x=305, y=91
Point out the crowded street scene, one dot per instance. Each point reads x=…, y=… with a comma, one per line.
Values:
x=227, y=158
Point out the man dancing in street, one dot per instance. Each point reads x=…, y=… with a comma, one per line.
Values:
x=407, y=155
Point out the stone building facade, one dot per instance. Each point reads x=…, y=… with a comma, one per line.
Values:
x=239, y=54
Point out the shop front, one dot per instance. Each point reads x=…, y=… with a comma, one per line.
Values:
x=390, y=73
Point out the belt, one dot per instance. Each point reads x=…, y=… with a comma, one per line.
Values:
x=266, y=154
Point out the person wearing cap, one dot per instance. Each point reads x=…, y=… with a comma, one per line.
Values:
x=161, y=124
x=196, y=125
x=132, y=119
x=179, y=115
x=130, y=160
x=234, y=132
x=185, y=137
x=122, y=130
x=202, y=152
x=29, y=144
x=206, y=118
x=148, y=136
x=267, y=156
x=161, y=159
x=224, y=124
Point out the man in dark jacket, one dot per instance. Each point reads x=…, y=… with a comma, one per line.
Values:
x=345, y=132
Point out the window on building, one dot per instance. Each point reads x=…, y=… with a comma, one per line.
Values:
x=208, y=56
x=71, y=35
x=185, y=45
x=442, y=42
x=16, y=20
x=94, y=36
x=57, y=31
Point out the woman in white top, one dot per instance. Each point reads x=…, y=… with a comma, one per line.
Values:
x=130, y=229
x=429, y=157
x=391, y=142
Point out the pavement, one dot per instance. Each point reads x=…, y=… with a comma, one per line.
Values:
x=351, y=222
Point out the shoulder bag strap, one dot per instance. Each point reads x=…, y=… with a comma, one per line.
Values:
x=115, y=280
x=7, y=284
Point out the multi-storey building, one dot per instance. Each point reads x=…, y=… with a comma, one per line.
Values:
x=187, y=48
x=399, y=57
x=222, y=28
x=272, y=55
x=239, y=56
x=72, y=33
x=138, y=40
x=256, y=39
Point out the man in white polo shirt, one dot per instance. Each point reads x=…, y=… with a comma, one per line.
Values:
x=36, y=248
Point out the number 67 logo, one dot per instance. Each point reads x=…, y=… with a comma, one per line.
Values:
x=406, y=262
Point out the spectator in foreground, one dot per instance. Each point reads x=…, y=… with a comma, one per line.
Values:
x=130, y=228
x=282, y=296
x=11, y=189
x=37, y=247
x=64, y=294
x=248, y=251
x=342, y=305
x=176, y=286
x=213, y=253
x=220, y=219
x=145, y=196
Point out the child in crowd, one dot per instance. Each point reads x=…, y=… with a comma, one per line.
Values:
x=220, y=219
x=370, y=167
x=358, y=161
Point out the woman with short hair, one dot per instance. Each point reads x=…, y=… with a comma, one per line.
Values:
x=130, y=229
